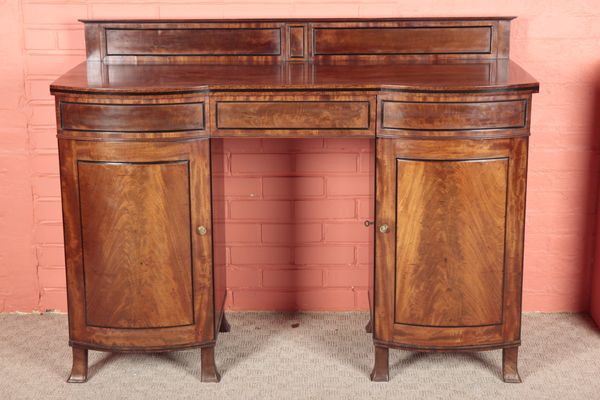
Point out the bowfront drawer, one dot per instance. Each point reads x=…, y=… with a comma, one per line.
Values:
x=131, y=118
x=293, y=115
x=453, y=116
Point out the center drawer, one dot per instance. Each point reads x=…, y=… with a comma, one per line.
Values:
x=289, y=115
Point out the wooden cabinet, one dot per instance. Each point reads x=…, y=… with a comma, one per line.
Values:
x=449, y=241
x=139, y=249
x=448, y=114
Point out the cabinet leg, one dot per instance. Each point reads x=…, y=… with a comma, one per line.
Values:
x=510, y=373
x=80, y=366
x=382, y=365
x=369, y=327
x=225, y=327
x=209, y=371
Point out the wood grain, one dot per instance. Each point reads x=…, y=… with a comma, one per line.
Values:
x=267, y=40
x=183, y=79
x=293, y=115
x=396, y=251
x=198, y=41
x=450, y=218
x=140, y=213
x=402, y=40
x=290, y=114
x=132, y=117
x=454, y=116
x=133, y=195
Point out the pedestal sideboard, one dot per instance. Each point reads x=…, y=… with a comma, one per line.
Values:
x=139, y=121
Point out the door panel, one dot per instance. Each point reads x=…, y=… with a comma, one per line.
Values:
x=450, y=241
x=448, y=267
x=139, y=269
x=140, y=214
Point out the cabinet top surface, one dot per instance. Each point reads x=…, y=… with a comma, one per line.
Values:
x=409, y=54
x=97, y=77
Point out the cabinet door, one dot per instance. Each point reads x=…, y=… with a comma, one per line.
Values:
x=135, y=263
x=449, y=240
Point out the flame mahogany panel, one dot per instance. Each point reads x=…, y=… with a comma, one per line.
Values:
x=140, y=213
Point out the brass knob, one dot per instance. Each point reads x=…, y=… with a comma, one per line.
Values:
x=384, y=228
x=201, y=230
x=368, y=223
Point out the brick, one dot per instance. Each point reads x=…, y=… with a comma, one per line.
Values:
x=54, y=13
x=239, y=233
x=566, y=201
x=556, y=222
x=326, y=10
x=374, y=10
x=43, y=114
x=347, y=277
x=567, y=245
x=73, y=39
x=324, y=255
x=264, y=210
x=51, y=256
x=43, y=138
x=537, y=242
x=46, y=186
x=237, y=187
x=48, y=234
x=47, y=210
x=187, y=10
x=244, y=277
x=52, y=278
x=293, y=188
x=291, y=233
x=361, y=299
x=242, y=145
x=55, y=64
x=331, y=162
x=367, y=162
x=289, y=278
x=561, y=160
x=39, y=89
x=295, y=145
x=352, y=232
x=53, y=299
x=257, y=10
x=348, y=145
x=366, y=209
x=324, y=209
x=40, y=39
x=220, y=164
x=220, y=254
x=125, y=10
x=243, y=255
x=272, y=164
x=349, y=186
x=365, y=255
x=220, y=210
x=45, y=164
x=312, y=299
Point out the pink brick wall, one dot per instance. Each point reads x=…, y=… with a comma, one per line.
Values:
x=320, y=262
x=294, y=212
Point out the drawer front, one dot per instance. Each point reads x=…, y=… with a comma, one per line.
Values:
x=453, y=116
x=131, y=117
x=293, y=115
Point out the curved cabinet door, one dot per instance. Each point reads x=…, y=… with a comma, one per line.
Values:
x=138, y=264
x=449, y=241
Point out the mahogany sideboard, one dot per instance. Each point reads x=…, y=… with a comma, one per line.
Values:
x=138, y=123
